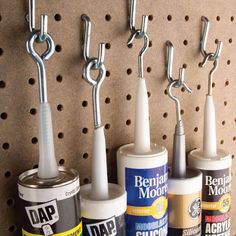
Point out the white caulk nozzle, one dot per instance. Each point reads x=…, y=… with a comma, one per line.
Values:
x=209, y=137
x=99, y=166
x=47, y=162
x=142, y=126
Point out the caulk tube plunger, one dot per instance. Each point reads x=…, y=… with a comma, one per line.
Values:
x=142, y=126
x=99, y=166
x=209, y=137
x=179, y=156
x=47, y=162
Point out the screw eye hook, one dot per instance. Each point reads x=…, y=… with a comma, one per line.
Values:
x=205, y=31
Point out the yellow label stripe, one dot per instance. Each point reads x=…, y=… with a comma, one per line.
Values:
x=76, y=231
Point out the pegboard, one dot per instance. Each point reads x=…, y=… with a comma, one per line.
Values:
x=70, y=96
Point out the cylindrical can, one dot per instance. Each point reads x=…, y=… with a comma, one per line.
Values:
x=216, y=191
x=184, y=197
x=145, y=180
x=103, y=217
x=50, y=206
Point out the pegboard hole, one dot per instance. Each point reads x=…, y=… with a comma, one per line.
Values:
x=216, y=41
x=1, y=51
x=226, y=83
x=108, y=73
x=218, y=18
x=59, y=78
x=84, y=103
x=4, y=116
x=149, y=69
x=107, y=150
x=185, y=42
x=107, y=126
x=107, y=100
x=12, y=228
x=195, y=129
x=149, y=94
x=129, y=71
x=85, y=155
x=61, y=162
x=186, y=18
x=34, y=140
x=234, y=138
x=230, y=40
x=57, y=17
x=58, y=48
x=228, y=62
x=7, y=174
x=222, y=141
x=2, y=84
x=107, y=17
x=150, y=44
x=86, y=180
x=233, y=156
x=165, y=92
x=128, y=122
x=164, y=137
x=130, y=45
x=184, y=65
x=182, y=89
x=31, y=81
x=223, y=122
x=181, y=111
x=232, y=18
x=213, y=85
x=198, y=87
x=197, y=109
x=10, y=202
x=33, y=111
x=169, y=17
x=0, y=17
x=85, y=130
x=150, y=17
x=59, y=107
x=60, y=135
x=107, y=45
x=6, y=146
x=128, y=97
x=165, y=115
x=225, y=103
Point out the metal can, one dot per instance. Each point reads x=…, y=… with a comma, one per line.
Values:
x=50, y=206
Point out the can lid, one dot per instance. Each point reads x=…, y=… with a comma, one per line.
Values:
x=103, y=209
x=30, y=178
x=192, y=183
x=221, y=161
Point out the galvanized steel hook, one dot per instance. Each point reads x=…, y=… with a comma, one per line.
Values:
x=203, y=42
x=39, y=59
x=86, y=44
x=169, y=68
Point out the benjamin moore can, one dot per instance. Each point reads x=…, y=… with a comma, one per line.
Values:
x=145, y=180
x=50, y=206
x=216, y=191
x=103, y=217
x=184, y=208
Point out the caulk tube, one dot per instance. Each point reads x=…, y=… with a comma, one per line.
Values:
x=215, y=165
x=143, y=171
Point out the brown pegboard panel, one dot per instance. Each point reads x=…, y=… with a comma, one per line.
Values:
x=70, y=96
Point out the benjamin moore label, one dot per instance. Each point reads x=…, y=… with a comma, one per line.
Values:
x=147, y=201
x=216, y=202
x=185, y=214
x=109, y=227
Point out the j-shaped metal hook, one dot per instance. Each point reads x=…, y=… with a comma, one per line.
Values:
x=214, y=56
x=169, y=68
x=86, y=44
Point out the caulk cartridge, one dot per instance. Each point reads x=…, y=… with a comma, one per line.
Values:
x=143, y=171
x=46, y=192
x=103, y=204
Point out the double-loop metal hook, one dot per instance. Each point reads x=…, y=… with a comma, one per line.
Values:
x=30, y=17
x=213, y=56
x=169, y=68
x=86, y=45
x=39, y=59
x=138, y=34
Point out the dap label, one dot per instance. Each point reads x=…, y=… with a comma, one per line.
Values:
x=147, y=201
x=216, y=202
x=114, y=226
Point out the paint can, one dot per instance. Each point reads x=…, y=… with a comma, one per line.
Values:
x=144, y=177
x=216, y=191
x=50, y=206
x=184, y=208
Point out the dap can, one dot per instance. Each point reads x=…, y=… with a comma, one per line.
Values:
x=145, y=180
x=50, y=206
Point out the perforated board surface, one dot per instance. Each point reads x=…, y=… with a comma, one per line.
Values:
x=70, y=96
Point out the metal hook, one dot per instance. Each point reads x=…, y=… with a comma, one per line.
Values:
x=177, y=84
x=86, y=44
x=43, y=22
x=203, y=42
x=169, y=68
x=96, y=84
x=39, y=59
x=141, y=53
